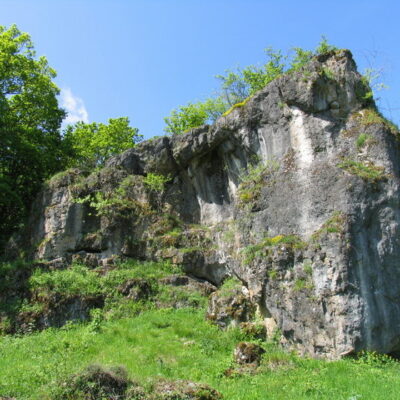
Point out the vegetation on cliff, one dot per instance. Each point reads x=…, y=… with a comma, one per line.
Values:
x=32, y=146
x=238, y=85
x=91, y=319
x=168, y=344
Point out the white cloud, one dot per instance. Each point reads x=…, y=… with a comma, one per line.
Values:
x=74, y=106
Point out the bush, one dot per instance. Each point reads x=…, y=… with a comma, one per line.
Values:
x=96, y=382
x=77, y=280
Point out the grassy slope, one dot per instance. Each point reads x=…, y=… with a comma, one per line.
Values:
x=180, y=344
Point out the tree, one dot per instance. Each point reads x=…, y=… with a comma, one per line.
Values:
x=31, y=147
x=93, y=143
x=237, y=85
x=193, y=115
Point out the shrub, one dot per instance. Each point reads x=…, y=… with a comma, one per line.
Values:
x=263, y=247
x=94, y=383
x=253, y=180
x=77, y=280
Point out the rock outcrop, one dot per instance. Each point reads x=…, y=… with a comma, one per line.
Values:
x=296, y=193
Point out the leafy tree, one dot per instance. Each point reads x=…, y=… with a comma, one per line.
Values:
x=194, y=114
x=31, y=148
x=93, y=143
x=238, y=85
x=301, y=57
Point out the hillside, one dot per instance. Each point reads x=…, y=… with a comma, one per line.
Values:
x=273, y=231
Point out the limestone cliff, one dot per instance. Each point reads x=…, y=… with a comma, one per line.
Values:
x=296, y=193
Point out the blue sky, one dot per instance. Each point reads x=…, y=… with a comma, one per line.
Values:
x=143, y=58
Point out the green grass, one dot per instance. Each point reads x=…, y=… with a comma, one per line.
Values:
x=229, y=287
x=302, y=283
x=263, y=247
x=327, y=73
x=179, y=344
x=72, y=281
x=370, y=116
x=26, y=288
x=80, y=280
x=335, y=224
x=254, y=179
x=362, y=140
x=153, y=342
x=369, y=172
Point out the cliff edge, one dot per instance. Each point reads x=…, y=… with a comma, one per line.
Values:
x=295, y=192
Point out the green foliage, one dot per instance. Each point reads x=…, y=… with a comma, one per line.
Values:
x=95, y=382
x=263, y=247
x=273, y=274
x=76, y=280
x=324, y=47
x=168, y=343
x=300, y=58
x=370, y=116
x=155, y=182
x=372, y=83
x=194, y=115
x=112, y=204
x=180, y=344
x=362, y=140
x=369, y=172
x=80, y=280
x=33, y=291
x=374, y=359
x=93, y=143
x=12, y=209
x=302, y=284
x=236, y=86
x=139, y=269
x=229, y=286
x=327, y=73
x=13, y=282
x=185, y=118
x=31, y=148
x=62, y=178
x=334, y=224
x=253, y=179
x=237, y=105
x=117, y=203
x=307, y=267
x=170, y=296
x=239, y=85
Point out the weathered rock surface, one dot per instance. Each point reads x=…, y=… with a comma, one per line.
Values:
x=248, y=353
x=230, y=307
x=312, y=230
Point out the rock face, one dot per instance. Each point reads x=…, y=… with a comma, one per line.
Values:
x=296, y=193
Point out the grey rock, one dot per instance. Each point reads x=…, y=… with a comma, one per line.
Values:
x=248, y=353
x=230, y=307
x=332, y=291
x=136, y=289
